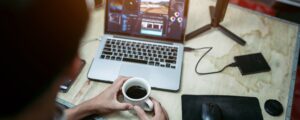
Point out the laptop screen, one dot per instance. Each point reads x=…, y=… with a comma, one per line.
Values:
x=155, y=19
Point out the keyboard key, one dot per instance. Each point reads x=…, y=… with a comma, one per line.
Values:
x=107, y=53
x=102, y=56
x=107, y=49
x=112, y=57
x=135, y=60
x=141, y=57
x=168, y=65
x=151, y=63
x=172, y=57
x=156, y=63
x=107, y=45
x=170, y=61
x=174, y=49
x=118, y=58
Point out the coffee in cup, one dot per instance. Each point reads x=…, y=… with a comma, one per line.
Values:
x=137, y=91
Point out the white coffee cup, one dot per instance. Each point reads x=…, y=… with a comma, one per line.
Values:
x=144, y=102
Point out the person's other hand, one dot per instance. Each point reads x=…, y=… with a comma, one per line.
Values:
x=106, y=102
x=159, y=112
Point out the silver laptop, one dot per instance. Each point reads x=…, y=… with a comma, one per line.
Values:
x=143, y=38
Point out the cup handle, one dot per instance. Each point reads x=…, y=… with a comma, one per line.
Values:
x=148, y=105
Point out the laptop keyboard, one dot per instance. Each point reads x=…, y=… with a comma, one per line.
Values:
x=142, y=53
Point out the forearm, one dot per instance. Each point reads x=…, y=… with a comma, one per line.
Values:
x=79, y=112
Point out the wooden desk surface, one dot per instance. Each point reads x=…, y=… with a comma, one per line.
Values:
x=278, y=41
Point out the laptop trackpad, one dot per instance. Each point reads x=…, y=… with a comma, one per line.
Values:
x=135, y=70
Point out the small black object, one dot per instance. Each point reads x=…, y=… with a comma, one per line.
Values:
x=252, y=63
x=273, y=107
x=211, y=111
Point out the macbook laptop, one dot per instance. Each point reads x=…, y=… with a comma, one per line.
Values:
x=143, y=38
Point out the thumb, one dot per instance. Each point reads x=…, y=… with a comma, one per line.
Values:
x=140, y=113
x=123, y=106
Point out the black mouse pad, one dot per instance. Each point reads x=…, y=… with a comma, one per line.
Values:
x=232, y=107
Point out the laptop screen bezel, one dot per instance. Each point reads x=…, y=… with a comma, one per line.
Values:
x=182, y=38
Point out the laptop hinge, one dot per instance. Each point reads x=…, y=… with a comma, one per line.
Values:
x=144, y=39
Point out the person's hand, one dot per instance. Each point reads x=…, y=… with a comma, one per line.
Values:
x=107, y=102
x=159, y=112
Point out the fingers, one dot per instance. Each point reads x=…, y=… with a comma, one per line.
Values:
x=165, y=113
x=119, y=82
x=159, y=110
x=123, y=106
x=140, y=113
x=157, y=107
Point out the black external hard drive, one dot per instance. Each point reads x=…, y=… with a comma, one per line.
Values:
x=252, y=63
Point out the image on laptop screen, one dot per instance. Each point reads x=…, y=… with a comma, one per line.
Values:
x=159, y=19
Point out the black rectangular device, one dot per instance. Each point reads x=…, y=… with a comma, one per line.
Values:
x=252, y=63
x=67, y=83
